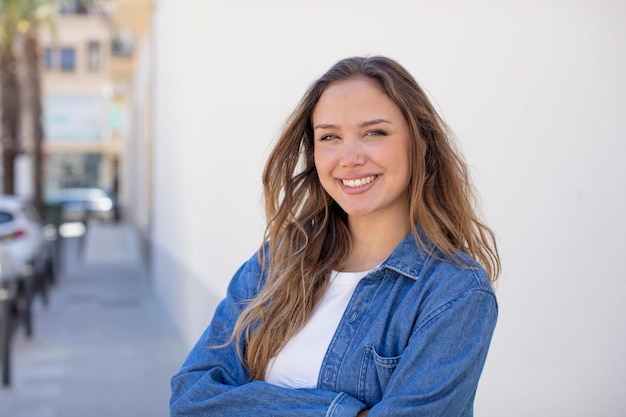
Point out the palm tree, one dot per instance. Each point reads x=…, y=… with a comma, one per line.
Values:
x=9, y=89
x=22, y=18
x=34, y=13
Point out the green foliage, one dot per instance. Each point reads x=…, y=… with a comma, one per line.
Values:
x=24, y=17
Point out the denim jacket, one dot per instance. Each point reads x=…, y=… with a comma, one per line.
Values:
x=412, y=342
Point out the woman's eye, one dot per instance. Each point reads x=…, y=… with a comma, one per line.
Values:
x=376, y=132
x=328, y=137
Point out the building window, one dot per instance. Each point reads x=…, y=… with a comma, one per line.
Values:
x=93, y=56
x=68, y=59
x=72, y=7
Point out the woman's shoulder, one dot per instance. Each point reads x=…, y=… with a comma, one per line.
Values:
x=438, y=273
x=420, y=259
x=249, y=278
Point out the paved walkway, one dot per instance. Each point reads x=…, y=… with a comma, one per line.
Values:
x=103, y=347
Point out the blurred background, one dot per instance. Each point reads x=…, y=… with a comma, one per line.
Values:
x=158, y=116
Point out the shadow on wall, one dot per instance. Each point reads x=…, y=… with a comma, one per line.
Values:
x=189, y=302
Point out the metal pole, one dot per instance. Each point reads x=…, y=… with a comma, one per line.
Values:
x=5, y=335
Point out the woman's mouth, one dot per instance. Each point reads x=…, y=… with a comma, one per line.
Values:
x=359, y=182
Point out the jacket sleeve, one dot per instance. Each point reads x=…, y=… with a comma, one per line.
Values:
x=213, y=380
x=438, y=372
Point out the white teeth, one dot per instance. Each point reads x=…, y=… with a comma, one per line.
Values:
x=358, y=182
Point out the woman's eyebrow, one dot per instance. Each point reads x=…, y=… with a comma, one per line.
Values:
x=374, y=122
x=325, y=126
x=364, y=124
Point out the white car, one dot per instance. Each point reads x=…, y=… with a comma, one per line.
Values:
x=22, y=233
x=9, y=283
x=9, y=287
x=83, y=204
x=8, y=275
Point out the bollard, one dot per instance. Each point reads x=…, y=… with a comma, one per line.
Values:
x=5, y=335
x=24, y=300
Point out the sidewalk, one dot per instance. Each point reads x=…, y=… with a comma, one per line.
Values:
x=103, y=347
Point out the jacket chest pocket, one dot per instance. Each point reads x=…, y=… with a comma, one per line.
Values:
x=376, y=370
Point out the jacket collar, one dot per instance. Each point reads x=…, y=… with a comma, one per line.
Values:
x=410, y=255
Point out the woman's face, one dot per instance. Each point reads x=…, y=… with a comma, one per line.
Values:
x=361, y=150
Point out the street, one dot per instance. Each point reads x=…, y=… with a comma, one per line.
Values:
x=103, y=346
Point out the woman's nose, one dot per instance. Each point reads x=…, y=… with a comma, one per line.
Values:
x=352, y=153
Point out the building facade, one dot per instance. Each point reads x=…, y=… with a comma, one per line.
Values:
x=80, y=119
x=87, y=77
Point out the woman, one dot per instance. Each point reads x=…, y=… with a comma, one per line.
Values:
x=372, y=293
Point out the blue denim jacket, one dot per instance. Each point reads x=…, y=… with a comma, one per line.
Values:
x=412, y=342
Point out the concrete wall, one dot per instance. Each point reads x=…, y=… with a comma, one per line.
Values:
x=138, y=158
x=536, y=94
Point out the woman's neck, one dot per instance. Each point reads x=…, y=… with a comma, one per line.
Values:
x=373, y=241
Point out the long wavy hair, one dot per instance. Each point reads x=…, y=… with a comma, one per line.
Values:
x=307, y=234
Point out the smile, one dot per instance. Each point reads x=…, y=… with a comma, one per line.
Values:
x=359, y=182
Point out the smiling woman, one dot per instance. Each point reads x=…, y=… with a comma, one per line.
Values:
x=361, y=153
x=371, y=293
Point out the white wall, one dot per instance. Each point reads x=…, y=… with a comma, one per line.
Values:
x=536, y=93
x=136, y=187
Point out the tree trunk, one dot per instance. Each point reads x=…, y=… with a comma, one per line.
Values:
x=33, y=77
x=9, y=88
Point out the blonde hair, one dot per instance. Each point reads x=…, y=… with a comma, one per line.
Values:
x=307, y=234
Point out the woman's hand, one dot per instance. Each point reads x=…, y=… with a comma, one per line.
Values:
x=363, y=413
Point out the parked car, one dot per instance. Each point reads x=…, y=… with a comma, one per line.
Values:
x=22, y=233
x=9, y=286
x=26, y=270
x=8, y=274
x=83, y=204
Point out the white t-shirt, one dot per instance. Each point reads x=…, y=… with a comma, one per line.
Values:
x=298, y=364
